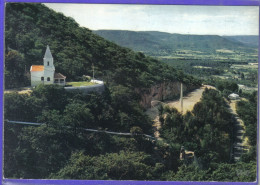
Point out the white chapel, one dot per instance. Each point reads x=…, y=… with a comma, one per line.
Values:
x=45, y=74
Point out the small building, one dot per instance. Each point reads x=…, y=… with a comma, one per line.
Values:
x=240, y=86
x=45, y=74
x=233, y=96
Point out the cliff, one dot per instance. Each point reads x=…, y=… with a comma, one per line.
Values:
x=161, y=92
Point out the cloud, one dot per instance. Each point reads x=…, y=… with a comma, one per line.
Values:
x=221, y=20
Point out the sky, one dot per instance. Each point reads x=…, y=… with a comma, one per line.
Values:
x=201, y=20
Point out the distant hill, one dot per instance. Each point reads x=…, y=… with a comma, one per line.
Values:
x=161, y=43
x=250, y=40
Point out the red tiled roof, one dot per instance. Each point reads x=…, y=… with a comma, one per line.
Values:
x=37, y=68
x=59, y=75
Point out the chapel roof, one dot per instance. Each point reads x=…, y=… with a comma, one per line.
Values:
x=37, y=68
x=48, y=53
x=59, y=75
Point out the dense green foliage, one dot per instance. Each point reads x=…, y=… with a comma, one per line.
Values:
x=122, y=166
x=61, y=148
x=41, y=150
x=225, y=86
x=29, y=28
x=238, y=172
x=14, y=70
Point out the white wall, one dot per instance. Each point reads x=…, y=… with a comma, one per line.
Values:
x=36, y=77
x=97, y=81
x=49, y=72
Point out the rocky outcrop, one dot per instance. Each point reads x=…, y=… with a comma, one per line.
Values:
x=161, y=92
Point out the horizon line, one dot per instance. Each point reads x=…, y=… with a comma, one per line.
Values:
x=168, y=32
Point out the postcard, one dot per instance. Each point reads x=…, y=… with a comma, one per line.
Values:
x=130, y=93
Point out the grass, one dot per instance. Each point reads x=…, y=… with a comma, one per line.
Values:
x=20, y=90
x=202, y=67
x=78, y=84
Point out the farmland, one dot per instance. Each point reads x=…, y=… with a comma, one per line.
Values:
x=207, y=57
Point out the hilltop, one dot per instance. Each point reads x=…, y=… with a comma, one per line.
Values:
x=249, y=40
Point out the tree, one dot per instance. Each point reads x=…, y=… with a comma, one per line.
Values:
x=78, y=116
x=55, y=96
x=15, y=70
x=121, y=166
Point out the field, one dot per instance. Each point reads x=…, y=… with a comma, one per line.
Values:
x=243, y=72
x=220, y=54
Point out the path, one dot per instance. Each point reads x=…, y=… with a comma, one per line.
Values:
x=240, y=142
x=188, y=103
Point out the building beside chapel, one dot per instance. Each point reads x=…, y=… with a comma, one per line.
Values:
x=233, y=96
x=45, y=74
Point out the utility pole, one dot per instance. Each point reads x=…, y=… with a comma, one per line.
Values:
x=93, y=71
x=181, y=99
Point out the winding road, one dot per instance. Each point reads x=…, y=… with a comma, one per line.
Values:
x=240, y=141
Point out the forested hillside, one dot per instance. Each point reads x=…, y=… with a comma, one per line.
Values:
x=164, y=44
x=31, y=27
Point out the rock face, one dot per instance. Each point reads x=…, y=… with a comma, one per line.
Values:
x=162, y=91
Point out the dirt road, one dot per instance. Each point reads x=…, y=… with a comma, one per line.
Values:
x=189, y=100
x=188, y=103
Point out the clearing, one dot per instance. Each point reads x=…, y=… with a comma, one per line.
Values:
x=188, y=103
x=189, y=100
x=78, y=84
